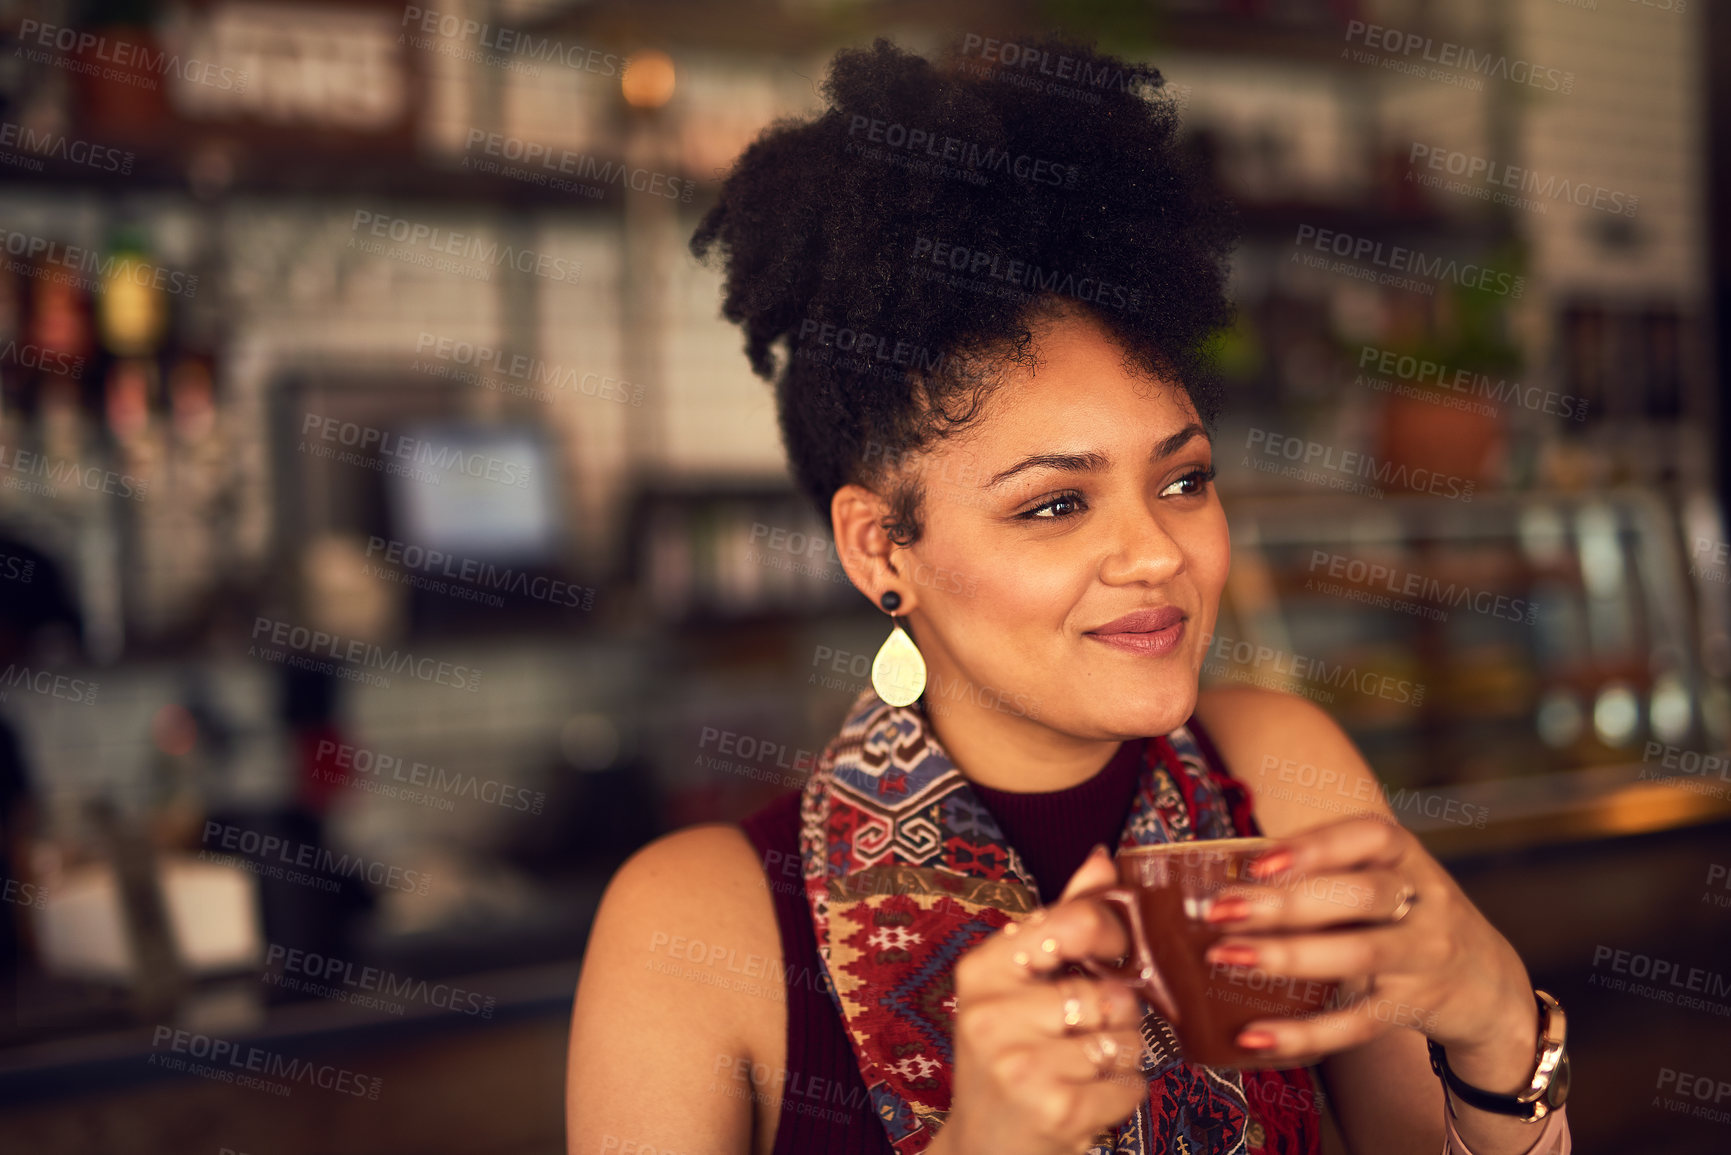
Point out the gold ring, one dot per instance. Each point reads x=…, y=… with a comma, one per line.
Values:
x=1102, y=1051
x=1408, y=896
x=1072, y=1012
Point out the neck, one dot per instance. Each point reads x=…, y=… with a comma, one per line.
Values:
x=1013, y=752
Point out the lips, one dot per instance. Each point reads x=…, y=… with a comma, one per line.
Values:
x=1142, y=621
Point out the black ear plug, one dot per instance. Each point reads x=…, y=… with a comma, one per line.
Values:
x=891, y=601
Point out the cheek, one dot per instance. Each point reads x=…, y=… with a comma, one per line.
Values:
x=1211, y=556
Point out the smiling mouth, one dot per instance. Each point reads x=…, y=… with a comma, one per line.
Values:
x=1147, y=642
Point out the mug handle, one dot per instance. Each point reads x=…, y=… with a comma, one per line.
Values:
x=1138, y=969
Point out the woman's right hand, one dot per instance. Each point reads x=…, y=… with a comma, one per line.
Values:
x=1026, y=1082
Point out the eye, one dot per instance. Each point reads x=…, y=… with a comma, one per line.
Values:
x=1196, y=478
x=1073, y=500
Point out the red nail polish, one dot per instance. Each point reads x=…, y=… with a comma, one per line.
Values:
x=1254, y=1040
x=1228, y=910
x=1271, y=863
x=1233, y=956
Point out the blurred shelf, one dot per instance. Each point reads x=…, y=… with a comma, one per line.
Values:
x=117, y=1059
x=1576, y=806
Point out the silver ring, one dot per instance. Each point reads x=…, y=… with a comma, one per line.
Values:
x=1408, y=896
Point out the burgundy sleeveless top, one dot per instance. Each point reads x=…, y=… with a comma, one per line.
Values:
x=1052, y=831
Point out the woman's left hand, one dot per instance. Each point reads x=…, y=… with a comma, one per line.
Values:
x=1361, y=902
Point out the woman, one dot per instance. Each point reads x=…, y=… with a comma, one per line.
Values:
x=995, y=294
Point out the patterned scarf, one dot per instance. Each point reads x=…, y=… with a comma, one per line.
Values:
x=905, y=868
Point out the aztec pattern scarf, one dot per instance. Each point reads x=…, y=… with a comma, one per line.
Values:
x=905, y=868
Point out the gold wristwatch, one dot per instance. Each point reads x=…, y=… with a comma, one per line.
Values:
x=1548, y=1088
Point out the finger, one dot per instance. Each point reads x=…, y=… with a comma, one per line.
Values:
x=1097, y=872
x=1303, y=902
x=1357, y=843
x=1072, y=1005
x=1096, y=1057
x=1086, y=1102
x=1040, y=946
x=1283, y=1041
x=1386, y=949
x=1102, y=1057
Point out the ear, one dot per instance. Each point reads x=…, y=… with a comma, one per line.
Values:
x=856, y=517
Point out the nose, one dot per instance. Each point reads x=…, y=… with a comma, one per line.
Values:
x=1141, y=549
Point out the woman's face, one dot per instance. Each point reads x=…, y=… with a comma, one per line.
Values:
x=1075, y=502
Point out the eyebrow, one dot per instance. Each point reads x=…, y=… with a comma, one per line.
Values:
x=1086, y=462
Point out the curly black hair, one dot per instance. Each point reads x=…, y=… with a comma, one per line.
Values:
x=902, y=241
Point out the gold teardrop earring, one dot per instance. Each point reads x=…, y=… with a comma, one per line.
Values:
x=899, y=670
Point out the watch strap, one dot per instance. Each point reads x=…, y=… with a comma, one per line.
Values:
x=1531, y=1105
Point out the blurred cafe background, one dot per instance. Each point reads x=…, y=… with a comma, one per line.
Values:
x=393, y=538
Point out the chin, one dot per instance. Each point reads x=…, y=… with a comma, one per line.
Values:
x=1141, y=711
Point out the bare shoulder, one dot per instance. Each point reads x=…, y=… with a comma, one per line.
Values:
x=1302, y=769
x=662, y=1021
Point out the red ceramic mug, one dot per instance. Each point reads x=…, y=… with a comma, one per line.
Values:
x=1163, y=894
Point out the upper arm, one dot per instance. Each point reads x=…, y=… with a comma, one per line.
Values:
x=658, y=1033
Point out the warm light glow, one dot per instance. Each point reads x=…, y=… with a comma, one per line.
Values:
x=648, y=80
